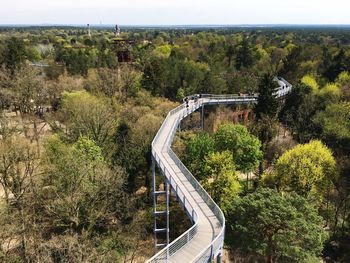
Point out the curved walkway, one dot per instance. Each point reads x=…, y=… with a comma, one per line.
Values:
x=203, y=242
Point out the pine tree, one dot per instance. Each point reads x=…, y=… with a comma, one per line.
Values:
x=244, y=56
x=267, y=102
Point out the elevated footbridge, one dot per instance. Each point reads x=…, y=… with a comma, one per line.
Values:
x=203, y=241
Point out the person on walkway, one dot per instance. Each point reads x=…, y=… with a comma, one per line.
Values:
x=186, y=101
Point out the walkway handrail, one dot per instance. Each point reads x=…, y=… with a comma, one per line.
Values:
x=178, y=243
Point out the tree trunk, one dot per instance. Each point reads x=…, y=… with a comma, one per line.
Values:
x=269, y=250
x=23, y=235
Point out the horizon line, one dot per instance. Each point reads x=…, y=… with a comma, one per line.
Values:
x=172, y=25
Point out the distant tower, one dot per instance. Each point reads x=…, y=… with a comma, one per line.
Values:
x=117, y=30
x=89, y=31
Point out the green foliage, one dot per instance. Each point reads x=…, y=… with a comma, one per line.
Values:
x=78, y=188
x=343, y=78
x=122, y=83
x=221, y=180
x=197, y=149
x=267, y=103
x=279, y=228
x=329, y=94
x=15, y=154
x=298, y=111
x=339, y=63
x=163, y=50
x=68, y=206
x=244, y=57
x=88, y=149
x=291, y=63
x=308, y=169
x=245, y=148
x=335, y=125
x=164, y=76
x=14, y=54
x=265, y=129
x=88, y=115
x=76, y=61
x=309, y=81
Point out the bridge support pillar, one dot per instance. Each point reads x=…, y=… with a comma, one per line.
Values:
x=202, y=117
x=219, y=258
x=154, y=201
x=167, y=197
x=159, y=228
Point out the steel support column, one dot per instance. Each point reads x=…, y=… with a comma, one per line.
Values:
x=154, y=201
x=219, y=258
x=167, y=214
x=202, y=116
x=159, y=213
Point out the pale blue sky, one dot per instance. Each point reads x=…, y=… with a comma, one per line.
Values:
x=171, y=12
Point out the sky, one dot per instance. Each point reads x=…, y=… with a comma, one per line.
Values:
x=174, y=12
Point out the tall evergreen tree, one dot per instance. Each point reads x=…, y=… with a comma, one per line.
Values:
x=291, y=64
x=230, y=51
x=244, y=56
x=267, y=102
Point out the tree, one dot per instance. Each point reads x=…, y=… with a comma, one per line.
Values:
x=265, y=129
x=77, y=61
x=290, y=64
x=298, y=111
x=339, y=64
x=335, y=125
x=267, y=102
x=80, y=193
x=154, y=76
x=103, y=80
x=230, y=51
x=122, y=83
x=343, y=81
x=29, y=89
x=309, y=81
x=131, y=80
x=221, y=181
x=23, y=88
x=244, y=57
x=329, y=94
x=308, y=169
x=133, y=146
x=245, y=148
x=199, y=147
x=275, y=228
x=18, y=168
x=88, y=115
x=14, y=54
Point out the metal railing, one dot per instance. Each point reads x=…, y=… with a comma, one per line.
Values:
x=208, y=253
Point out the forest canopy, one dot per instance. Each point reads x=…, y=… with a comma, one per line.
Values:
x=78, y=114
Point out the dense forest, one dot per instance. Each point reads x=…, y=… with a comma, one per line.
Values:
x=78, y=113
